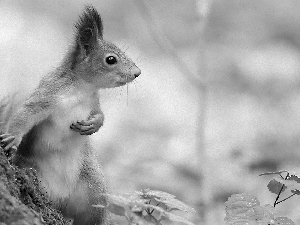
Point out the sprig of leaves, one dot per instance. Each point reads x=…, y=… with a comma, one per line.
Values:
x=245, y=209
x=283, y=183
x=147, y=207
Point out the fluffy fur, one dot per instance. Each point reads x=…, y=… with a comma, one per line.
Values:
x=47, y=127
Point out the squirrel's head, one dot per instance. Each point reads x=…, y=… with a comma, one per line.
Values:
x=96, y=60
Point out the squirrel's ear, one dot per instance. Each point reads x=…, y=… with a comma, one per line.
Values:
x=89, y=29
x=87, y=40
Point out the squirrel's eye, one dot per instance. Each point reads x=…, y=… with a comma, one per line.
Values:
x=111, y=60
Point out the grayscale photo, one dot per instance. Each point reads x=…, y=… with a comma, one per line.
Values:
x=170, y=112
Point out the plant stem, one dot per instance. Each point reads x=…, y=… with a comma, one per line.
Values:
x=275, y=203
x=285, y=198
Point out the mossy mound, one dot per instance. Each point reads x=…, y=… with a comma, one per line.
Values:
x=21, y=200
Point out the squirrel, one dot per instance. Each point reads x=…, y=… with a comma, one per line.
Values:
x=50, y=130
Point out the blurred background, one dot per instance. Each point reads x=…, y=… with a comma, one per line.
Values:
x=218, y=101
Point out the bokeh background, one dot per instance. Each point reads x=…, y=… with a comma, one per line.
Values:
x=218, y=101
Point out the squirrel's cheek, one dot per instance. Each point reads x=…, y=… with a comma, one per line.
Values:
x=118, y=81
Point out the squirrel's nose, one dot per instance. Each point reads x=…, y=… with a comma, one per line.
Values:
x=136, y=71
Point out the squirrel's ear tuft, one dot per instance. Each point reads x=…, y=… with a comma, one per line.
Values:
x=89, y=28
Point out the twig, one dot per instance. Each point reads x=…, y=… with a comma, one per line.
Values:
x=280, y=191
x=284, y=199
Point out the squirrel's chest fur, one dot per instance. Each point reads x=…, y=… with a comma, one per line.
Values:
x=55, y=133
x=69, y=109
x=59, y=151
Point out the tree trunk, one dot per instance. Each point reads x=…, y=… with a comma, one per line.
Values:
x=21, y=201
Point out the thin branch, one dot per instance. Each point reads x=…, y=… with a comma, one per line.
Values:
x=280, y=191
x=285, y=199
x=164, y=43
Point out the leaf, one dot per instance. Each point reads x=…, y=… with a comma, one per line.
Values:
x=132, y=203
x=238, y=199
x=280, y=184
x=157, y=208
x=283, y=221
x=136, y=220
x=156, y=194
x=295, y=178
x=128, y=201
x=175, y=218
x=297, y=192
x=242, y=209
x=290, y=184
x=176, y=204
x=275, y=186
x=116, y=209
x=168, y=215
x=168, y=200
x=151, y=220
x=137, y=209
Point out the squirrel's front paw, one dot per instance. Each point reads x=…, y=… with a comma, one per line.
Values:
x=9, y=144
x=89, y=126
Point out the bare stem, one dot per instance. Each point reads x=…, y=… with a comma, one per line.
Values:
x=280, y=191
x=284, y=199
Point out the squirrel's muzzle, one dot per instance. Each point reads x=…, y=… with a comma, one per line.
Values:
x=136, y=71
